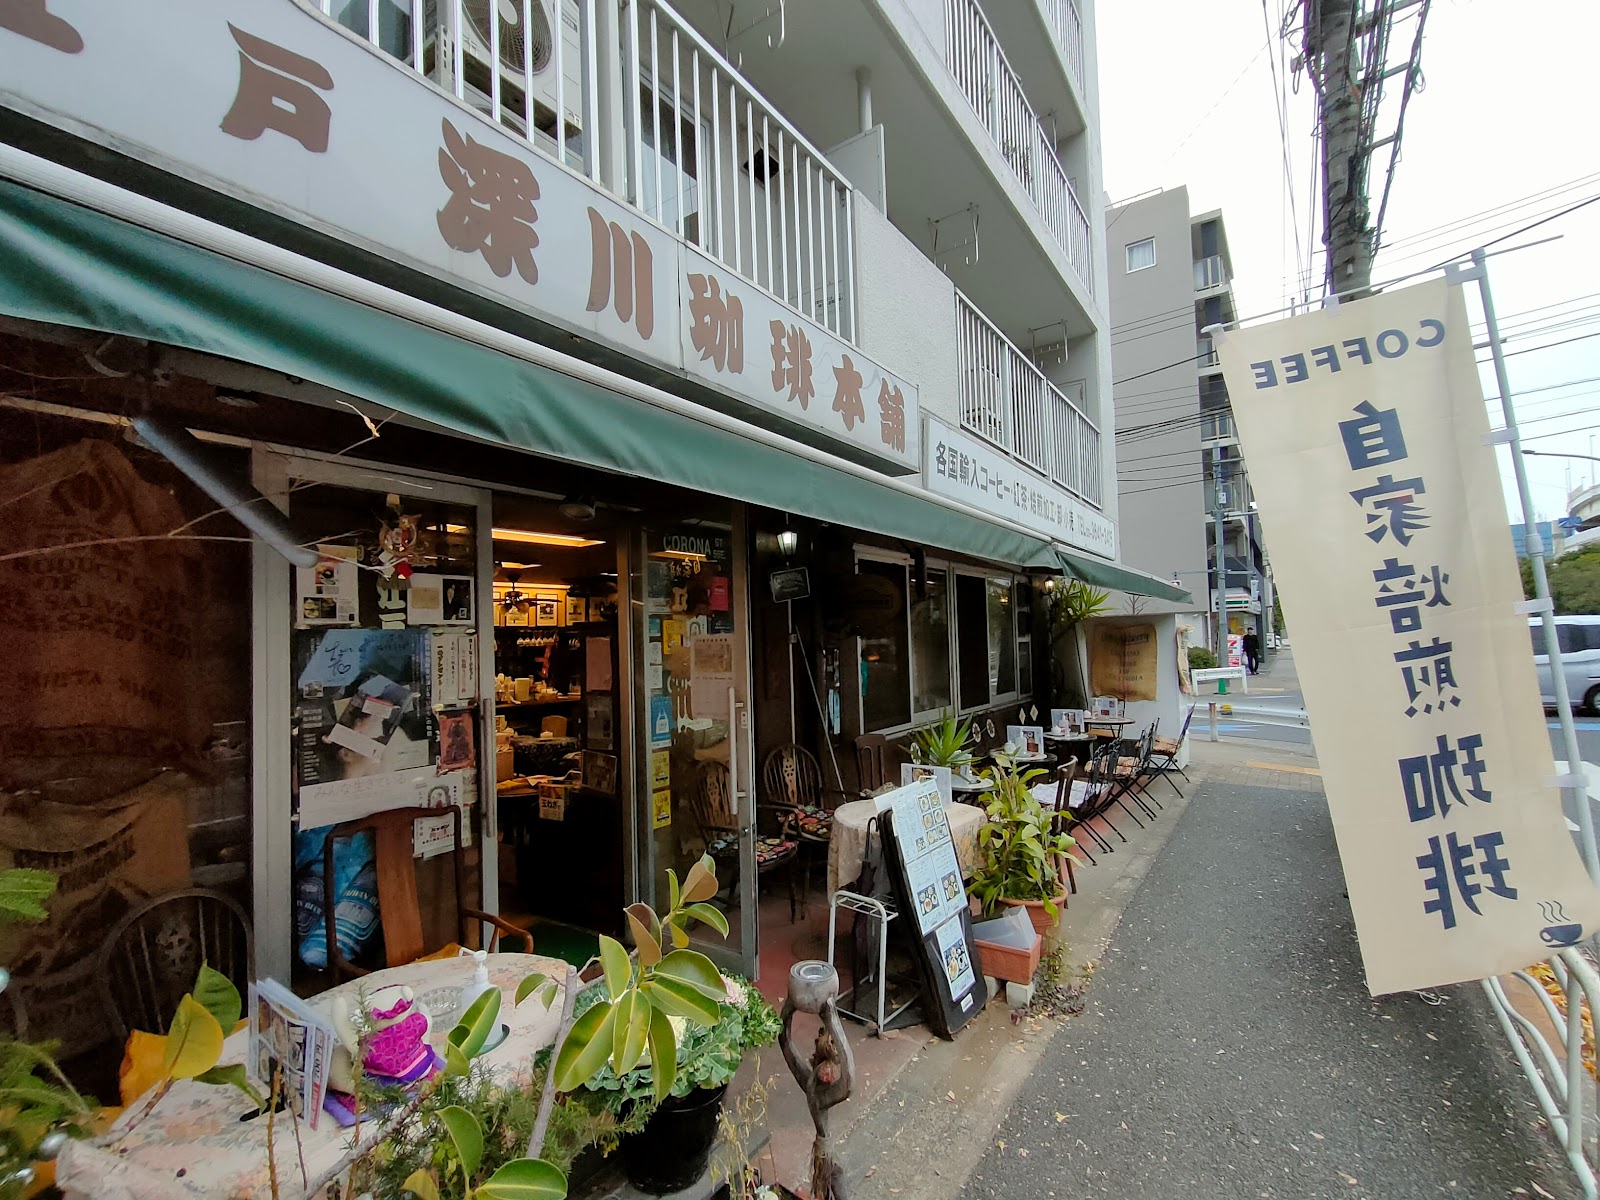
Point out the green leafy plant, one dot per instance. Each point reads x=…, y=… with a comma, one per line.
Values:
x=644, y=990
x=944, y=744
x=707, y=1055
x=1068, y=606
x=1201, y=659
x=1022, y=857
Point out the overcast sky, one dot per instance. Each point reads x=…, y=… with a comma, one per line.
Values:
x=1502, y=134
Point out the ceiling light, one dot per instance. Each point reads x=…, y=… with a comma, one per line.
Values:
x=577, y=508
x=544, y=539
x=516, y=566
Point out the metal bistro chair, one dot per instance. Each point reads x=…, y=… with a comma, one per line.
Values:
x=1164, y=753
x=790, y=777
x=1132, y=771
x=149, y=960
x=712, y=804
x=1102, y=794
x=399, y=907
x=872, y=763
x=1062, y=816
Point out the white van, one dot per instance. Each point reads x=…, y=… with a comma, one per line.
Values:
x=1579, y=638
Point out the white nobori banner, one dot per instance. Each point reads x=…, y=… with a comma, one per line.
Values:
x=1364, y=427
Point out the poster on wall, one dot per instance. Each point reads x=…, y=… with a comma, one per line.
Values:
x=439, y=600
x=362, y=704
x=710, y=675
x=1122, y=661
x=1185, y=683
x=329, y=592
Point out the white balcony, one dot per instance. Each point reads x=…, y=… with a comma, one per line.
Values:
x=1009, y=402
x=1209, y=273
x=1217, y=427
x=980, y=69
x=1066, y=26
x=694, y=146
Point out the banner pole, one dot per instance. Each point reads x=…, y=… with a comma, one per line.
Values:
x=1541, y=580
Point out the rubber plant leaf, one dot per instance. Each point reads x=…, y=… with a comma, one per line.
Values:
x=421, y=1184
x=663, y=1053
x=711, y=916
x=218, y=996
x=701, y=882
x=476, y=1024
x=455, y=1062
x=618, y=967
x=646, y=929
x=194, y=1042
x=587, y=1047
x=673, y=893
x=679, y=1000
x=467, y=1136
x=528, y=986
x=629, y=1031
x=525, y=1179
x=696, y=970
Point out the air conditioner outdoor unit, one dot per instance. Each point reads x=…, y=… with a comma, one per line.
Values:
x=537, y=42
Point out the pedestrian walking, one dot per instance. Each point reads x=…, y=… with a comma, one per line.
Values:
x=1252, y=652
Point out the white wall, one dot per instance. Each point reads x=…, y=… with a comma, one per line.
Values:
x=908, y=311
x=1170, y=704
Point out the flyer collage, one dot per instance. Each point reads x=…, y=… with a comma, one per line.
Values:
x=929, y=853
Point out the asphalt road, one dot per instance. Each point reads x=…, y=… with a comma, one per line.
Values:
x=1230, y=1048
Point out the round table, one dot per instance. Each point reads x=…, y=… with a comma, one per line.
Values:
x=193, y=1143
x=847, y=847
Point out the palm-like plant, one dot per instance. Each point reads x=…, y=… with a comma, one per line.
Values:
x=944, y=744
x=1068, y=607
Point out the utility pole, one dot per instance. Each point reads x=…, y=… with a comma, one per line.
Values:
x=1221, y=556
x=1346, y=212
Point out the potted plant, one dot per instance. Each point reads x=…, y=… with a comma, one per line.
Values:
x=674, y=1146
x=1069, y=606
x=1022, y=856
x=944, y=744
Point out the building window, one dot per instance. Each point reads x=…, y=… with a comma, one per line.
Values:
x=1002, y=637
x=1023, y=595
x=1141, y=254
x=886, y=651
x=930, y=643
x=992, y=641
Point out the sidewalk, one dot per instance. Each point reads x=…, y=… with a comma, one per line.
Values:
x=925, y=1110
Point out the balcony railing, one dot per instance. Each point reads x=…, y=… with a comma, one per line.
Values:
x=1066, y=23
x=1216, y=427
x=701, y=151
x=1209, y=273
x=1205, y=352
x=980, y=69
x=1008, y=401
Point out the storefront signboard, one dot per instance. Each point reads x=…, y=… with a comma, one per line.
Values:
x=1368, y=445
x=967, y=468
x=276, y=106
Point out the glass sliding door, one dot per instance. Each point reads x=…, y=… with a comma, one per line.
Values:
x=373, y=693
x=696, y=792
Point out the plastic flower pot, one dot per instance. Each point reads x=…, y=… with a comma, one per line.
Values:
x=1043, y=922
x=674, y=1148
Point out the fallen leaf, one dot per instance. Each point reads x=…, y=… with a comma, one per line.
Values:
x=872, y=1170
x=1060, y=1117
x=1543, y=1193
x=1350, y=1179
x=949, y=1095
x=1318, y=1136
x=1022, y=1152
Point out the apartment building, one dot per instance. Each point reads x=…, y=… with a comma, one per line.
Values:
x=1178, y=458
x=443, y=393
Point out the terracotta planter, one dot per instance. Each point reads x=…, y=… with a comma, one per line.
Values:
x=1042, y=921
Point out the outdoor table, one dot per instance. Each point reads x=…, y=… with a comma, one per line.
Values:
x=193, y=1143
x=847, y=848
x=1114, y=724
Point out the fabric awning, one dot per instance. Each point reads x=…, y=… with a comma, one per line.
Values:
x=67, y=264
x=1100, y=573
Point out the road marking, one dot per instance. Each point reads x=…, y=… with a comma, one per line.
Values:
x=1284, y=767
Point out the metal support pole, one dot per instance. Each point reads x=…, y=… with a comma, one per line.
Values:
x=864, y=99
x=1578, y=796
x=1221, y=556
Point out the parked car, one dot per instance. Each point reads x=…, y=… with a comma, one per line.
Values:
x=1579, y=638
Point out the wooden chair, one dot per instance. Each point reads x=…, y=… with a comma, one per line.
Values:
x=790, y=777
x=399, y=909
x=1062, y=816
x=777, y=844
x=873, y=763
x=150, y=959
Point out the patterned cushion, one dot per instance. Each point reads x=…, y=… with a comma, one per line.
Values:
x=815, y=823
x=726, y=846
x=1128, y=762
x=772, y=849
x=1165, y=745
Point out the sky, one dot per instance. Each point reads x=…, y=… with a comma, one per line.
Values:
x=1501, y=135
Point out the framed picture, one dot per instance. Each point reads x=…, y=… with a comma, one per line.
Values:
x=577, y=610
x=546, y=610
x=515, y=615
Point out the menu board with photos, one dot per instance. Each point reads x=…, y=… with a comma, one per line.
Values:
x=926, y=876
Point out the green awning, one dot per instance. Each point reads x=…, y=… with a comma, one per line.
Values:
x=65, y=264
x=1120, y=578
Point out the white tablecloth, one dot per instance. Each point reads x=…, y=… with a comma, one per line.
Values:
x=194, y=1145
x=847, y=847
